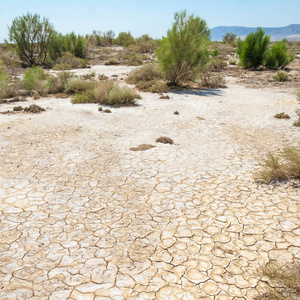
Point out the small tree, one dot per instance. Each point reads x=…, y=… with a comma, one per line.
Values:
x=253, y=50
x=125, y=39
x=32, y=37
x=229, y=38
x=183, y=54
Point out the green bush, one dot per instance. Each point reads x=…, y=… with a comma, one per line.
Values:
x=217, y=64
x=146, y=73
x=76, y=85
x=144, y=44
x=278, y=56
x=5, y=91
x=72, y=43
x=35, y=80
x=32, y=37
x=281, y=77
x=253, y=50
x=68, y=61
x=57, y=83
x=125, y=39
x=87, y=96
x=183, y=54
x=121, y=96
x=215, y=52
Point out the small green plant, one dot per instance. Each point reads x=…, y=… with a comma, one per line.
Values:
x=284, y=281
x=280, y=167
x=278, y=56
x=281, y=77
x=215, y=53
x=282, y=116
x=121, y=96
x=89, y=75
x=68, y=61
x=57, y=83
x=297, y=123
x=232, y=61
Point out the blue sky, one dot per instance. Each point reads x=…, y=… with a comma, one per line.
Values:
x=149, y=16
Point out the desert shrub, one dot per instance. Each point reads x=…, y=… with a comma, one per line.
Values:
x=112, y=62
x=134, y=60
x=89, y=75
x=148, y=79
x=278, y=56
x=121, y=96
x=280, y=167
x=212, y=82
x=229, y=38
x=68, y=61
x=253, y=50
x=284, y=281
x=76, y=85
x=148, y=72
x=35, y=80
x=57, y=83
x=183, y=54
x=87, y=96
x=32, y=37
x=281, y=77
x=282, y=116
x=298, y=96
x=217, y=64
x=5, y=90
x=9, y=56
x=72, y=43
x=232, y=61
x=107, y=93
x=144, y=44
x=125, y=39
x=215, y=52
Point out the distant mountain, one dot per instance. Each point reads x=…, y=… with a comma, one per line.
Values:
x=291, y=32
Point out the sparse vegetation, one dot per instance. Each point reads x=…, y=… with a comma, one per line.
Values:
x=35, y=81
x=183, y=54
x=284, y=166
x=281, y=77
x=212, y=81
x=284, y=281
x=229, y=38
x=5, y=90
x=107, y=93
x=217, y=64
x=232, y=61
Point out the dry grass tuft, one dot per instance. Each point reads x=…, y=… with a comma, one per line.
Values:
x=212, y=82
x=284, y=281
x=280, y=167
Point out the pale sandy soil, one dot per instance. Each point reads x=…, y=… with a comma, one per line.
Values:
x=83, y=217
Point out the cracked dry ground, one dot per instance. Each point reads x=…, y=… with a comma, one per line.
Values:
x=83, y=217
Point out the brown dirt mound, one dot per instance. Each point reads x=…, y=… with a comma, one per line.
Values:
x=142, y=147
x=18, y=108
x=35, y=109
x=164, y=140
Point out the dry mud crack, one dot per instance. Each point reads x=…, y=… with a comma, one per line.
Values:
x=83, y=217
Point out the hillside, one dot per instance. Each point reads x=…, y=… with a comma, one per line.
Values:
x=291, y=32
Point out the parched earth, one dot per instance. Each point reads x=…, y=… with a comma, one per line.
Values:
x=83, y=217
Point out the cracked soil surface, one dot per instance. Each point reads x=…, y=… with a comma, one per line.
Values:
x=83, y=217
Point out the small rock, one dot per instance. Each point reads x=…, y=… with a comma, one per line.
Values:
x=107, y=111
x=164, y=140
x=18, y=108
x=176, y=112
x=142, y=147
x=100, y=108
x=164, y=97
